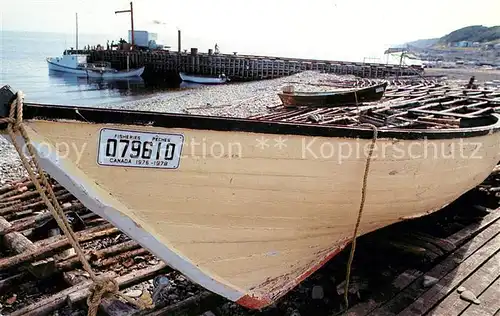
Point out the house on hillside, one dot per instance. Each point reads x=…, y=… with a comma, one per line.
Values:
x=462, y=44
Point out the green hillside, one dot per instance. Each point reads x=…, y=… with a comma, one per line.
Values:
x=474, y=33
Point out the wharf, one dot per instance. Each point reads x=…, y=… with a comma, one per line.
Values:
x=167, y=64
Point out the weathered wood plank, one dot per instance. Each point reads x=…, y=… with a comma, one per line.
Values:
x=452, y=279
x=408, y=276
x=477, y=283
x=399, y=283
x=413, y=291
x=490, y=302
x=469, y=231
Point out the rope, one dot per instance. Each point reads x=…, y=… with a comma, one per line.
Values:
x=360, y=213
x=100, y=286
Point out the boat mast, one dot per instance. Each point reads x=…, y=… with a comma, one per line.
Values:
x=76, y=30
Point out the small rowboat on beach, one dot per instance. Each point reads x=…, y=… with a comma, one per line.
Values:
x=334, y=98
x=249, y=208
x=203, y=79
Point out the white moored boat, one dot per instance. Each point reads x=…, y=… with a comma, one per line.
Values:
x=213, y=198
x=203, y=79
x=77, y=64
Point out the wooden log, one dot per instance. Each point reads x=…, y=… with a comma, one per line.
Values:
x=7, y=283
x=56, y=301
x=110, y=251
x=180, y=308
x=110, y=305
x=15, y=241
x=29, y=222
x=61, y=196
x=119, y=258
x=47, y=247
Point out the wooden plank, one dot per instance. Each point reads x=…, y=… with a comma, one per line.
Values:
x=451, y=281
x=467, y=232
x=383, y=295
x=408, y=276
x=441, y=113
x=413, y=291
x=490, y=304
x=477, y=283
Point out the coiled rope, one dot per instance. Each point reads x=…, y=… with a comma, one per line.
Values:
x=360, y=212
x=100, y=286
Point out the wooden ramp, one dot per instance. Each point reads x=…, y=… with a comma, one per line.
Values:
x=474, y=267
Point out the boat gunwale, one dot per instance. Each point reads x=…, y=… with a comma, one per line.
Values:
x=229, y=124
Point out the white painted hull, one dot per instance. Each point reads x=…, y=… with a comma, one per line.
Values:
x=60, y=68
x=202, y=80
x=116, y=75
x=250, y=221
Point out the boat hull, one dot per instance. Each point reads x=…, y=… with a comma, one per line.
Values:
x=249, y=212
x=62, y=68
x=331, y=99
x=202, y=80
x=116, y=75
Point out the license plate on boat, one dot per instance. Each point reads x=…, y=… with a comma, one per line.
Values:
x=377, y=90
x=139, y=149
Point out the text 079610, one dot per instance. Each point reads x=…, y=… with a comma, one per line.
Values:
x=139, y=149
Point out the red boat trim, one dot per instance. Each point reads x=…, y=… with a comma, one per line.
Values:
x=255, y=302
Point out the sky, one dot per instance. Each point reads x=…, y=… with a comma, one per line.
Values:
x=330, y=29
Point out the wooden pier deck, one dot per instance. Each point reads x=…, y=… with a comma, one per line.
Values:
x=237, y=67
x=474, y=267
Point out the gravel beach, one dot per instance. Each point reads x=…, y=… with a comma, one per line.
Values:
x=234, y=99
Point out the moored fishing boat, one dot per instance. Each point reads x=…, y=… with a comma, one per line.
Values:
x=203, y=79
x=346, y=97
x=77, y=64
x=247, y=220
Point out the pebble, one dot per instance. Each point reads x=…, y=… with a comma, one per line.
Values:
x=133, y=293
x=317, y=292
x=208, y=313
x=429, y=281
x=173, y=297
x=469, y=297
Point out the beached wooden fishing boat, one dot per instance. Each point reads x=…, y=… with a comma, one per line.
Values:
x=334, y=98
x=248, y=208
x=203, y=79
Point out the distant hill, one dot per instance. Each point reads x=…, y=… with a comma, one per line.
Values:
x=424, y=43
x=473, y=33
